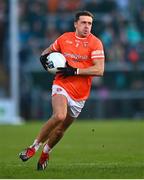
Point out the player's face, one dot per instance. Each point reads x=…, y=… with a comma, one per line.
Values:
x=83, y=26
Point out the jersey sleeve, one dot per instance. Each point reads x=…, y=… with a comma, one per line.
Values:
x=97, y=52
x=56, y=45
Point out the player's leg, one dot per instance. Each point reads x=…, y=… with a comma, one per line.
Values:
x=59, y=105
x=54, y=138
x=58, y=132
x=74, y=109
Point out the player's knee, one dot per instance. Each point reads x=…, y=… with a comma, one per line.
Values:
x=59, y=117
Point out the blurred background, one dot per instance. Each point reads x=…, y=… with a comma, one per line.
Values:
x=27, y=27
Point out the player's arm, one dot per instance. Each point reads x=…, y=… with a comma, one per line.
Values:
x=47, y=50
x=97, y=57
x=52, y=48
x=96, y=70
x=43, y=57
x=55, y=47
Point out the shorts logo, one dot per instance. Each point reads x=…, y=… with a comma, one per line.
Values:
x=58, y=89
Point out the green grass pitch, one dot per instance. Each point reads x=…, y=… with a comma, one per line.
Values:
x=89, y=149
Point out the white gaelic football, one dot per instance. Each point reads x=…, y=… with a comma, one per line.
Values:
x=55, y=60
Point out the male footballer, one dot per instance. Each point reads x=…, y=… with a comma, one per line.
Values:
x=71, y=86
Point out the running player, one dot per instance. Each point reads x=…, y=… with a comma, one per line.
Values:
x=71, y=87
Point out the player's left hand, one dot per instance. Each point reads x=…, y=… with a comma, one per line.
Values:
x=67, y=71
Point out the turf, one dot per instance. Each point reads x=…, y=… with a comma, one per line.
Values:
x=89, y=149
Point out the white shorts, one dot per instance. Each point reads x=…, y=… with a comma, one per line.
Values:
x=74, y=107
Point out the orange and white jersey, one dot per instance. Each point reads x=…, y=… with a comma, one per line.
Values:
x=79, y=53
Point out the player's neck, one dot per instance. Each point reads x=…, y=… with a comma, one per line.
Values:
x=80, y=37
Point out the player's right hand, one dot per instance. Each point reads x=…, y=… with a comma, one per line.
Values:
x=43, y=60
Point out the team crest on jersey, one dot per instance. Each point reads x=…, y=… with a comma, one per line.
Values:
x=85, y=44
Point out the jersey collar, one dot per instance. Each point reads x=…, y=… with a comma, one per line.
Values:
x=82, y=38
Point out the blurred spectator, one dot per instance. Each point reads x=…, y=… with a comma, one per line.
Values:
x=139, y=18
x=133, y=34
x=123, y=5
x=120, y=81
x=137, y=84
x=24, y=33
x=133, y=55
x=92, y=6
x=52, y=6
x=38, y=29
x=51, y=34
x=140, y=50
x=101, y=6
x=70, y=5
x=107, y=35
x=107, y=6
x=116, y=52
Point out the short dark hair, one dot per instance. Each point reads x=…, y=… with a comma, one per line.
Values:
x=83, y=13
